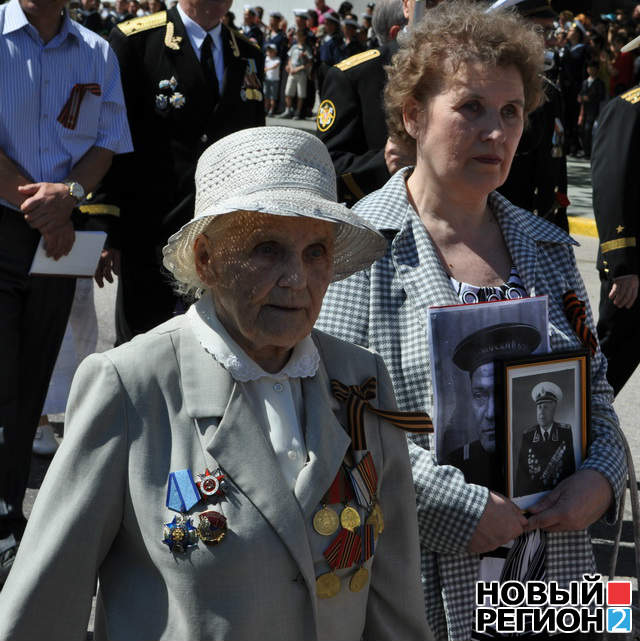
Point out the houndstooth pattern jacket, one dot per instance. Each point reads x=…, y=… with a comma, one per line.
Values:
x=385, y=308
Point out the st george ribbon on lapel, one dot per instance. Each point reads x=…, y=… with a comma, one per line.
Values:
x=576, y=313
x=182, y=492
x=357, y=398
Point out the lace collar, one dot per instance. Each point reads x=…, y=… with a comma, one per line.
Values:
x=215, y=339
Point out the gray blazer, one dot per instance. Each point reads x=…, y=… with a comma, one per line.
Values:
x=160, y=404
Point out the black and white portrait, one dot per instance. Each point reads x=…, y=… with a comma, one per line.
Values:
x=466, y=341
x=545, y=426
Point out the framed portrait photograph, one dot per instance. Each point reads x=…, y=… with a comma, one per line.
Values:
x=546, y=419
x=466, y=341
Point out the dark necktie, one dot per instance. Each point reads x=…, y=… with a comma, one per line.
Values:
x=208, y=67
x=546, y=436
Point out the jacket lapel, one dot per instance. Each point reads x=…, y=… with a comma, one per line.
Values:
x=188, y=72
x=326, y=441
x=234, y=69
x=239, y=445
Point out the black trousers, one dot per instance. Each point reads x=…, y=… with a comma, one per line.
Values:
x=619, y=337
x=33, y=316
x=145, y=293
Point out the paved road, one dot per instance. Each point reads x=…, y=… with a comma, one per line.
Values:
x=627, y=404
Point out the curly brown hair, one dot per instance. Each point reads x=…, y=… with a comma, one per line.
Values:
x=455, y=33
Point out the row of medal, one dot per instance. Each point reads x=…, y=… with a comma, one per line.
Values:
x=183, y=493
x=355, y=541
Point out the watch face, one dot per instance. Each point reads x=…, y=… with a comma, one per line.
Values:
x=76, y=190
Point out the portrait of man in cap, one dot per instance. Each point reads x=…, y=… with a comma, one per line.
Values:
x=546, y=450
x=476, y=354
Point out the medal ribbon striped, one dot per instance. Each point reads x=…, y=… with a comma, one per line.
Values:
x=68, y=117
x=344, y=550
x=357, y=398
x=340, y=490
x=368, y=542
x=576, y=313
x=364, y=479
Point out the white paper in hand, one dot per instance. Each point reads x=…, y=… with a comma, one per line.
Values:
x=81, y=261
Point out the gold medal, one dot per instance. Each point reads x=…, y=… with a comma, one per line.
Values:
x=327, y=585
x=377, y=510
x=325, y=521
x=349, y=518
x=359, y=579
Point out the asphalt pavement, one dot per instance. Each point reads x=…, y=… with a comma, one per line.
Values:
x=626, y=404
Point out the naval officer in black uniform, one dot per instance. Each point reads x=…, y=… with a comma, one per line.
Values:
x=546, y=450
x=615, y=167
x=188, y=81
x=537, y=180
x=351, y=120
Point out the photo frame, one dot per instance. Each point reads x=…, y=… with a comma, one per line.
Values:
x=546, y=418
x=466, y=342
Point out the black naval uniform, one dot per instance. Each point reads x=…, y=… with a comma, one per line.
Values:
x=174, y=116
x=543, y=464
x=351, y=121
x=537, y=180
x=615, y=167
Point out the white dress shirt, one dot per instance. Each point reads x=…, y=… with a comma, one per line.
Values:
x=276, y=398
x=196, y=37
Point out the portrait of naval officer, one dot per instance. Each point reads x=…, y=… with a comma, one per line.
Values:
x=546, y=450
x=476, y=354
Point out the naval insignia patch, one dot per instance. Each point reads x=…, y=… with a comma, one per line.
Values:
x=326, y=115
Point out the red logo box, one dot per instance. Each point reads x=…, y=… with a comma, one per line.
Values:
x=619, y=593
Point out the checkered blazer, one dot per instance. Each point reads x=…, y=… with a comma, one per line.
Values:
x=385, y=308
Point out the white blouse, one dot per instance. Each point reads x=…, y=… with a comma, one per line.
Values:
x=276, y=398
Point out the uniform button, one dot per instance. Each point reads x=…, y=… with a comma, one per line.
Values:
x=278, y=387
x=555, y=189
x=535, y=211
x=204, y=138
x=292, y=455
x=535, y=191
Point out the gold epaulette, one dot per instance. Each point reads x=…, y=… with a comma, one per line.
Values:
x=251, y=42
x=618, y=243
x=108, y=210
x=632, y=96
x=136, y=25
x=359, y=58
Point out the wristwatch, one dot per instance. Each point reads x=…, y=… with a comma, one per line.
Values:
x=76, y=190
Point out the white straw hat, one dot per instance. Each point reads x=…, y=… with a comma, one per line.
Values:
x=273, y=170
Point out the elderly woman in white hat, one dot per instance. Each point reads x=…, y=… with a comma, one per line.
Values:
x=211, y=477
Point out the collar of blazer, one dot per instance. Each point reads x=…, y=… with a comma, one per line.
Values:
x=413, y=252
x=239, y=445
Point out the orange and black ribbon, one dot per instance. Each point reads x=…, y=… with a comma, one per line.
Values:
x=68, y=117
x=576, y=313
x=357, y=398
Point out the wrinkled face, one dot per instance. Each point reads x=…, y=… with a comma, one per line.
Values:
x=482, y=404
x=545, y=411
x=268, y=275
x=467, y=132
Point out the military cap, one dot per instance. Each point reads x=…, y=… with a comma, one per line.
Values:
x=546, y=391
x=301, y=13
x=276, y=14
x=501, y=341
x=350, y=22
x=249, y=9
x=332, y=16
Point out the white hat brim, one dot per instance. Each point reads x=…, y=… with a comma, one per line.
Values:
x=357, y=244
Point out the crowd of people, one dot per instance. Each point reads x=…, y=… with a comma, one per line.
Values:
x=241, y=458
